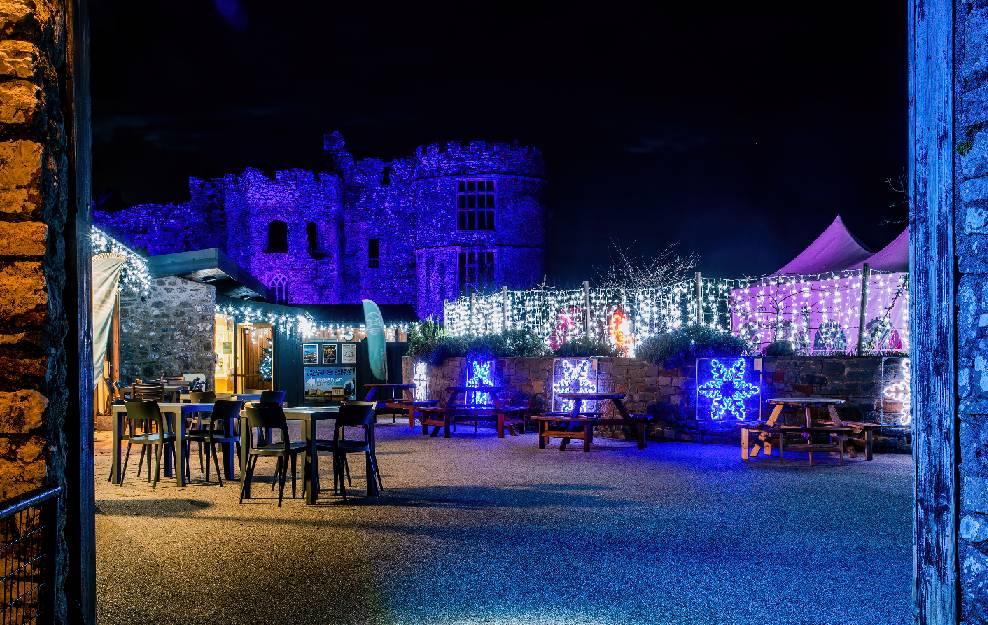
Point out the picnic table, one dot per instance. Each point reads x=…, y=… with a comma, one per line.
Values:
x=579, y=424
x=395, y=405
x=309, y=417
x=505, y=416
x=836, y=430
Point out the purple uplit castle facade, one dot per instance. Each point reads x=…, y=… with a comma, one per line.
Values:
x=448, y=220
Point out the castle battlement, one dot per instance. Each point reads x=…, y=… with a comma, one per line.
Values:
x=398, y=231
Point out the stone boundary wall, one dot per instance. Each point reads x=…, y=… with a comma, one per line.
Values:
x=670, y=395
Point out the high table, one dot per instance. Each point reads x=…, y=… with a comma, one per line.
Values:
x=179, y=413
x=309, y=417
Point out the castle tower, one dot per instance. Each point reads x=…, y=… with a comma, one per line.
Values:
x=480, y=220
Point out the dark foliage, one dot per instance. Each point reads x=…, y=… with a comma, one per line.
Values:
x=682, y=347
x=779, y=349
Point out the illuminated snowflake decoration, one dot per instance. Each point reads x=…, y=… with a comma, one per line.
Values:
x=420, y=377
x=728, y=389
x=572, y=376
x=899, y=391
x=480, y=373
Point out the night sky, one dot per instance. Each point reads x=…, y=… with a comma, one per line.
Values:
x=739, y=135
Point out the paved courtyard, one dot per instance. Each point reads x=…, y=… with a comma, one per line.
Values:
x=480, y=530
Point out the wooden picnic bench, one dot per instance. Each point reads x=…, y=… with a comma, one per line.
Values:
x=505, y=416
x=579, y=424
x=836, y=430
x=403, y=405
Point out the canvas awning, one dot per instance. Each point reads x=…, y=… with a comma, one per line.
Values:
x=892, y=257
x=835, y=249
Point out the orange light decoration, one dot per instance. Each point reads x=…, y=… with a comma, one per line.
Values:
x=620, y=334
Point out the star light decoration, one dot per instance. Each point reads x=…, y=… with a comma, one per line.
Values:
x=420, y=377
x=899, y=391
x=728, y=390
x=572, y=376
x=480, y=373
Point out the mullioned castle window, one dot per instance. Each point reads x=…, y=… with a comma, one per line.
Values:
x=475, y=204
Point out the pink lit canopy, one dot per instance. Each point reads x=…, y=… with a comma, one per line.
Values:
x=834, y=250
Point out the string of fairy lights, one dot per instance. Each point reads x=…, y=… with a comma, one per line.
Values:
x=134, y=275
x=817, y=313
x=304, y=324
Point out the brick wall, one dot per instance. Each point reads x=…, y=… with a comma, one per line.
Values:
x=971, y=244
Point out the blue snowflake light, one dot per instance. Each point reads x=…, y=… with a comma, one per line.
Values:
x=728, y=390
x=480, y=373
x=572, y=376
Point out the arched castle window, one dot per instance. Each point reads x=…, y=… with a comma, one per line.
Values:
x=277, y=237
x=475, y=204
x=279, y=285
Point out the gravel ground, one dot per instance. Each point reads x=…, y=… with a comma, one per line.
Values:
x=479, y=530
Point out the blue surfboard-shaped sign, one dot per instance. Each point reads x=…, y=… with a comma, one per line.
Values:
x=376, y=348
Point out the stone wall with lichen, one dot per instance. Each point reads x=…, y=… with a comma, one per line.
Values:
x=34, y=187
x=867, y=385
x=971, y=241
x=167, y=331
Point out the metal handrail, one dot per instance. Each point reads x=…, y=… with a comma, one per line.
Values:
x=28, y=500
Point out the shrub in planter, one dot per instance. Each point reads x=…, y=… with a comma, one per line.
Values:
x=423, y=337
x=779, y=349
x=585, y=347
x=682, y=347
x=524, y=344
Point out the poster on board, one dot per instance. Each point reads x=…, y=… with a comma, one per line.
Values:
x=310, y=353
x=330, y=382
x=329, y=353
x=348, y=353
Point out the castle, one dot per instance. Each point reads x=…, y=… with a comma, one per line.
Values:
x=449, y=220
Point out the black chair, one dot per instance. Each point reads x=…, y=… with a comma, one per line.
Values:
x=146, y=426
x=221, y=429
x=273, y=397
x=153, y=391
x=200, y=397
x=267, y=418
x=354, y=415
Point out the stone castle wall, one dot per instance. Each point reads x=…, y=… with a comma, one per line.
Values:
x=408, y=205
x=670, y=395
x=971, y=245
x=167, y=331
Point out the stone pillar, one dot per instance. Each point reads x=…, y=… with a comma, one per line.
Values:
x=39, y=380
x=971, y=244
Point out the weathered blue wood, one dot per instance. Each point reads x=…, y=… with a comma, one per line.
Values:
x=932, y=332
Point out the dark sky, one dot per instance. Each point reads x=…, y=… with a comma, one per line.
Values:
x=739, y=135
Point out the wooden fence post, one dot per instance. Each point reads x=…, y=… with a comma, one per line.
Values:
x=862, y=313
x=586, y=309
x=698, y=294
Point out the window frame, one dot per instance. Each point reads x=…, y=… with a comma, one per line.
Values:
x=476, y=208
x=476, y=270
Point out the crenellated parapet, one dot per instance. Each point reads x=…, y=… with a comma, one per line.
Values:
x=478, y=158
